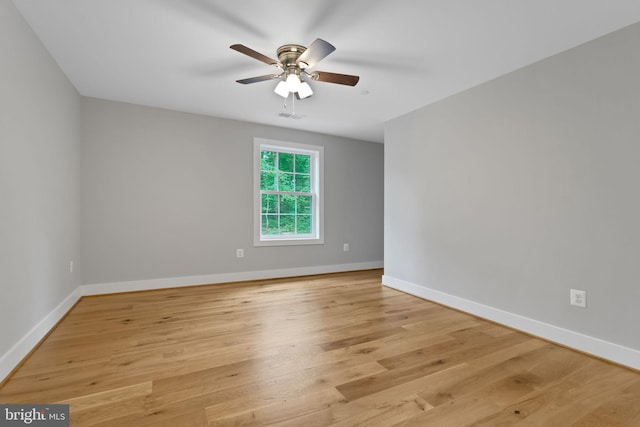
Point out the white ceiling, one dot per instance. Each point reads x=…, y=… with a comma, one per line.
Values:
x=408, y=53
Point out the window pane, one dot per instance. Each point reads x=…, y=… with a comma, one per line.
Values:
x=287, y=224
x=285, y=182
x=285, y=162
x=269, y=203
x=287, y=204
x=269, y=224
x=268, y=160
x=290, y=204
x=303, y=163
x=304, y=205
x=303, y=183
x=304, y=224
x=268, y=181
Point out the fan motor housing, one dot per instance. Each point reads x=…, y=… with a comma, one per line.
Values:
x=288, y=54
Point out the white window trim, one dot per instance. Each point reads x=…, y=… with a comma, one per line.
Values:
x=318, y=207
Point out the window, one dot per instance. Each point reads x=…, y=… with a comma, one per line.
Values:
x=288, y=193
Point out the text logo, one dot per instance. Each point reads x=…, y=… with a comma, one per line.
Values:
x=34, y=415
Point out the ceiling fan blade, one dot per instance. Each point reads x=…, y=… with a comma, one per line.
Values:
x=341, y=79
x=252, y=53
x=258, y=79
x=318, y=50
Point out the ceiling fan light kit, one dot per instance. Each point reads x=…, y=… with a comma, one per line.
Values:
x=294, y=60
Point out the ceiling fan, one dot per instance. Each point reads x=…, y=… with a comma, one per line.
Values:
x=294, y=61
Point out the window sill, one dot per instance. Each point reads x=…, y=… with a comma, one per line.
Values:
x=288, y=242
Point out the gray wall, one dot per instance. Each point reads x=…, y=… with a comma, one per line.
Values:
x=168, y=194
x=39, y=180
x=512, y=192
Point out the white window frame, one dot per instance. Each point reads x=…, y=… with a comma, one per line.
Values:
x=317, y=189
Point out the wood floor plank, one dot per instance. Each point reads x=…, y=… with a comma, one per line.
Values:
x=336, y=349
x=280, y=410
x=566, y=400
x=82, y=403
x=263, y=392
x=363, y=409
x=620, y=410
x=359, y=339
x=406, y=367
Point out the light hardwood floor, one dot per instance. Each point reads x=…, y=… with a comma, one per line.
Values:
x=336, y=349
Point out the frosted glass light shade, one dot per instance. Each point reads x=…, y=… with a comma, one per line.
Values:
x=305, y=90
x=282, y=89
x=293, y=82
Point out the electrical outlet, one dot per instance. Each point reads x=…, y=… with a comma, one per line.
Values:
x=240, y=253
x=345, y=247
x=71, y=266
x=578, y=298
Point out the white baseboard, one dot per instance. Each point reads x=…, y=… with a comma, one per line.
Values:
x=587, y=344
x=175, y=282
x=17, y=353
x=21, y=349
